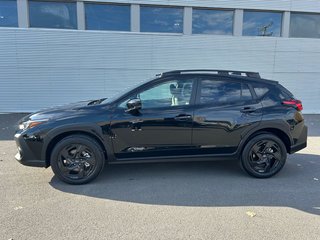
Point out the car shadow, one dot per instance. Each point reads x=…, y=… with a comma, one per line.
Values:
x=209, y=184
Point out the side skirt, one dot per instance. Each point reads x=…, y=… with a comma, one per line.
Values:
x=193, y=158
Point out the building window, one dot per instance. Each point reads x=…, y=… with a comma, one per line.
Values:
x=305, y=25
x=107, y=17
x=206, y=21
x=8, y=13
x=53, y=14
x=262, y=23
x=161, y=19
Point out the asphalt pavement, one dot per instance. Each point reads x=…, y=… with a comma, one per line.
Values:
x=194, y=200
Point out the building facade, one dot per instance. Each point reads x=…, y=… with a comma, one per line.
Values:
x=55, y=52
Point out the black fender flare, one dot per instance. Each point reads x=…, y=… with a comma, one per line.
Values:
x=279, y=125
x=85, y=128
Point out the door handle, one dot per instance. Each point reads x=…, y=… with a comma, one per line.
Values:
x=248, y=109
x=182, y=117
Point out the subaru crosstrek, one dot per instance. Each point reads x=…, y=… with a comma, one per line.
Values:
x=183, y=115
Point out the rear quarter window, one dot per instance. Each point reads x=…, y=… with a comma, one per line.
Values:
x=260, y=90
x=274, y=97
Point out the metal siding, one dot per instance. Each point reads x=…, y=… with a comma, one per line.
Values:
x=42, y=67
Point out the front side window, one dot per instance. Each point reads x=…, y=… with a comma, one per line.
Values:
x=53, y=14
x=161, y=19
x=258, y=23
x=305, y=25
x=8, y=13
x=218, y=92
x=167, y=94
x=107, y=17
x=207, y=21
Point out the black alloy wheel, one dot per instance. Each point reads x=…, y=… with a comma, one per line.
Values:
x=264, y=156
x=77, y=159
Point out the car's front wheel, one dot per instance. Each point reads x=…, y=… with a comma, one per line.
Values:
x=77, y=159
x=264, y=156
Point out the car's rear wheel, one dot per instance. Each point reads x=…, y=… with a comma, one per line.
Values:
x=77, y=159
x=263, y=156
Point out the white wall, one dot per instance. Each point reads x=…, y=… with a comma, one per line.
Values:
x=41, y=68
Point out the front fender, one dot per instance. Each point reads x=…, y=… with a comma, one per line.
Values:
x=85, y=128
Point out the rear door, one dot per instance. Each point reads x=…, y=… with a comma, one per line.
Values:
x=225, y=110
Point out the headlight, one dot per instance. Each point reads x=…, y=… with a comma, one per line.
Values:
x=31, y=124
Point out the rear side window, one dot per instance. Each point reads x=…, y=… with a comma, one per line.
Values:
x=260, y=90
x=219, y=92
x=276, y=92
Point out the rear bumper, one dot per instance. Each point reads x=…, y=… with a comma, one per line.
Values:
x=301, y=142
x=25, y=156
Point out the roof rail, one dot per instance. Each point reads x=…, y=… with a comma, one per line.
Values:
x=214, y=71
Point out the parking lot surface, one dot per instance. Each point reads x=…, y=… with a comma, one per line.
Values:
x=198, y=200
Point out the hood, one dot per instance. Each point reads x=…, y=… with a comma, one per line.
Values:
x=64, y=111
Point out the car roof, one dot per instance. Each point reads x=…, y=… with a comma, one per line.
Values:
x=232, y=74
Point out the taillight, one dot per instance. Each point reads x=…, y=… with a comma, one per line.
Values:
x=293, y=103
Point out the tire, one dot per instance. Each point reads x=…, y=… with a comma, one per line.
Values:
x=263, y=156
x=77, y=159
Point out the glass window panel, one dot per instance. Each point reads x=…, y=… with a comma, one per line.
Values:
x=224, y=92
x=8, y=13
x=53, y=14
x=246, y=94
x=166, y=94
x=260, y=90
x=161, y=19
x=219, y=92
x=262, y=23
x=206, y=21
x=107, y=17
x=172, y=93
x=305, y=25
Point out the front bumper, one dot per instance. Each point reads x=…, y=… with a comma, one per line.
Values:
x=25, y=155
x=301, y=142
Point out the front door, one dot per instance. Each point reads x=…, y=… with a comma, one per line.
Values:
x=163, y=126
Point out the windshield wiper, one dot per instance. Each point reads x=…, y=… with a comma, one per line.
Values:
x=98, y=101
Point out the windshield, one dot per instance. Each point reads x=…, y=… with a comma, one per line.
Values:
x=123, y=91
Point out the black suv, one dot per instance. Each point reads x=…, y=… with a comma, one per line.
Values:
x=180, y=115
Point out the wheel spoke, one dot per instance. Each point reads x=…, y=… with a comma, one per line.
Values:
x=256, y=151
x=79, y=149
x=91, y=160
x=277, y=155
x=267, y=167
x=267, y=145
x=65, y=154
x=80, y=174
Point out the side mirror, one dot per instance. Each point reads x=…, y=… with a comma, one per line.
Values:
x=133, y=105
